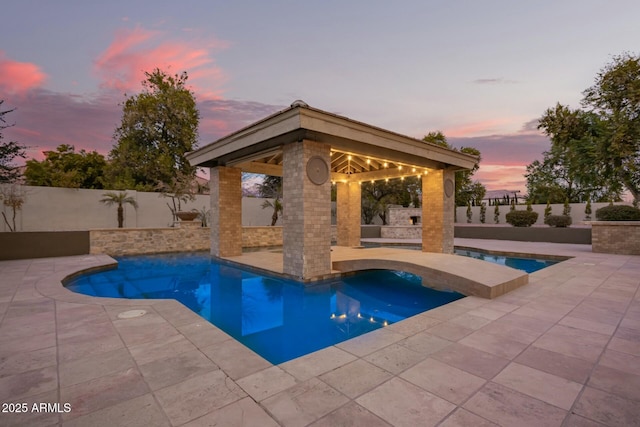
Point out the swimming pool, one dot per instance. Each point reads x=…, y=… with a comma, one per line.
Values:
x=276, y=318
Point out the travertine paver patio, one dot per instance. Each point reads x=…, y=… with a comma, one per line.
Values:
x=562, y=350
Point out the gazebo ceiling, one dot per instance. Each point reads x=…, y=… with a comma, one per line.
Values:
x=344, y=166
x=358, y=151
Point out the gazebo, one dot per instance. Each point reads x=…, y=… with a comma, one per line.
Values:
x=311, y=149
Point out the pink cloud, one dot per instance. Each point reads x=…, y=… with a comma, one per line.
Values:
x=507, y=150
x=19, y=77
x=484, y=127
x=500, y=177
x=122, y=65
x=45, y=119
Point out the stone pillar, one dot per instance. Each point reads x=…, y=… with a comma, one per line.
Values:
x=306, y=212
x=226, y=209
x=438, y=203
x=348, y=212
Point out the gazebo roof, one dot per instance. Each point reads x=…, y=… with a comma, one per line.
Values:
x=358, y=151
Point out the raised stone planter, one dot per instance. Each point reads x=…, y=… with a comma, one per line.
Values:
x=616, y=237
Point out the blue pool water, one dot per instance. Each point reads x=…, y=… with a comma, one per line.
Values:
x=526, y=264
x=278, y=319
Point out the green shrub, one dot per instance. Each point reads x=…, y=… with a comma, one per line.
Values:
x=558, y=220
x=522, y=218
x=547, y=210
x=618, y=213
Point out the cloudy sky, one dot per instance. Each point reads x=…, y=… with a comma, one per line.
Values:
x=480, y=71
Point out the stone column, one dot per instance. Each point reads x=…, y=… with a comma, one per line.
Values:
x=348, y=212
x=438, y=203
x=306, y=212
x=226, y=209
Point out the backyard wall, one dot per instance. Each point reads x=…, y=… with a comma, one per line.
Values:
x=577, y=212
x=616, y=237
x=64, y=209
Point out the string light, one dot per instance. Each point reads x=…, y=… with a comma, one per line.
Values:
x=415, y=170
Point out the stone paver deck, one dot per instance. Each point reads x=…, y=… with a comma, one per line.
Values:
x=561, y=350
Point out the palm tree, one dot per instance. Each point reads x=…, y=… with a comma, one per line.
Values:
x=277, y=208
x=120, y=198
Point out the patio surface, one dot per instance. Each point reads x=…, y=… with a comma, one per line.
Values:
x=562, y=350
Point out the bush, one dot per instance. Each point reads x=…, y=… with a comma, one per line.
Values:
x=618, y=213
x=558, y=220
x=522, y=218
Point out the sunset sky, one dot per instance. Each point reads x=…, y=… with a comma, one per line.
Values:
x=480, y=71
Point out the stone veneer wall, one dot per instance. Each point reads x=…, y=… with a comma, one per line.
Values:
x=189, y=236
x=255, y=237
x=402, y=216
x=306, y=213
x=401, y=232
x=437, y=211
x=226, y=207
x=348, y=213
x=616, y=237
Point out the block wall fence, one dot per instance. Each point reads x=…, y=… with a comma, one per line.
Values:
x=73, y=209
x=577, y=212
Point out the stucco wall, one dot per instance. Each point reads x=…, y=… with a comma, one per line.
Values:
x=66, y=209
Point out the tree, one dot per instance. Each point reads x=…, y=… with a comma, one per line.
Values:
x=566, y=209
x=12, y=196
x=483, y=213
x=615, y=97
x=570, y=169
x=110, y=198
x=271, y=188
x=66, y=168
x=547, y=211
x=378, y=195
x=8, y=152
x=159, y=125
x=467, y=190
x=180, y=190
